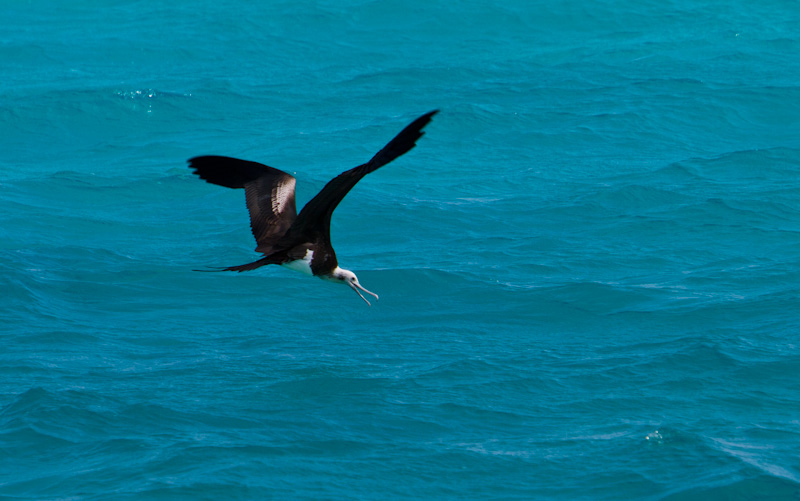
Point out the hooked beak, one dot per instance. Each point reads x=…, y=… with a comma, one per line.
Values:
x=356, y=286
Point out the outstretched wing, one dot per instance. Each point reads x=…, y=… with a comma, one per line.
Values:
x=316, y=215
x=269, y=193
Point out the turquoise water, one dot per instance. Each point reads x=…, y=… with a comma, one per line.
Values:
x=588, y=267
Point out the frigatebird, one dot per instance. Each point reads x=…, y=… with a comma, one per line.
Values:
x=301, y=242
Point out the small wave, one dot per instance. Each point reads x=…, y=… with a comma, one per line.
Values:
x=759, y=487
x=756, y=456
x=147, y=98
x=745, y=168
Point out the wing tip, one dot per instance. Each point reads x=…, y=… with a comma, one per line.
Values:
x=423, y=120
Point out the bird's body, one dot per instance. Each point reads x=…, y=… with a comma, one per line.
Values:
x=298, y=241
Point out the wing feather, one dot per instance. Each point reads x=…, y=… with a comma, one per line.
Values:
x=317, y=212
x=269, y=194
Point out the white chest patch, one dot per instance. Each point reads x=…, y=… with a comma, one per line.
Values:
x=301, y=265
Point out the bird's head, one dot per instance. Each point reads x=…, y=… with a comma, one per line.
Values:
x=343, y=276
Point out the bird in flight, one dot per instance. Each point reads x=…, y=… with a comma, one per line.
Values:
x=301, y=242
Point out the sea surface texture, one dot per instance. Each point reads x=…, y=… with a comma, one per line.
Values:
x=588, y=268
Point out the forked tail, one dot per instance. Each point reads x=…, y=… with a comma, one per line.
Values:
x=246, y=267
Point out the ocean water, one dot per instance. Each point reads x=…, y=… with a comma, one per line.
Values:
x=589, y=267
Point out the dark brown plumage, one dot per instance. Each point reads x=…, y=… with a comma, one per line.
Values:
x=282, y=235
